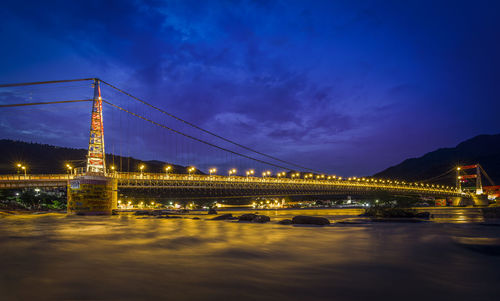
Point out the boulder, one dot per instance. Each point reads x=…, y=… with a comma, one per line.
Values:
x=423, y=215
x=310, y=220
x=212, y=211
x=247, y=217
x=142, y=212
x=196, y=217
x=285, y=222
x=223, y=217
x=261, y=219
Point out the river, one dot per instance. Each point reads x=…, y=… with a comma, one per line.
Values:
x=126, y=257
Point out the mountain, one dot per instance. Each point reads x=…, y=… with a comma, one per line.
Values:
x=482, y=149
x=46, y=159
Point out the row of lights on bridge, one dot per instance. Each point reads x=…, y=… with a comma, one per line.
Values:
x=251, y=172
x=267, y=173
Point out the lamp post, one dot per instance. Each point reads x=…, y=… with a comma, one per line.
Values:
x=212, y=171
x=18, y=165
x=141, y=168
x=231, y=171
x=266, y=173
x=191, y=169
x=24, y=169
x=69, y=167
x=250, y=172
x=168, y=168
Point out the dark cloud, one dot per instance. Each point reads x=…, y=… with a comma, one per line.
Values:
x=350, y=87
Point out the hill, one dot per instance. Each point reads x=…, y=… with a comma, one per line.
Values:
x=45, y=159
x=482, y=149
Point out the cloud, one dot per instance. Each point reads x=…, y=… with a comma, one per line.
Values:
x=298, y=80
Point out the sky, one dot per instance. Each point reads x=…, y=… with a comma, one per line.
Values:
x=344, y=87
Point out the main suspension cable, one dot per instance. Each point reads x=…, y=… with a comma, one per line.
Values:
x=191, y=137
x=206, y=131
x=437, y=177
x=486, y=175
x=45, y=82
x=42, y=103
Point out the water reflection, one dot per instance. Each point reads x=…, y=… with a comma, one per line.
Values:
x=123, y=257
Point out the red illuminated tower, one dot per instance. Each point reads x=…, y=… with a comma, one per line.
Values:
x=95, y=157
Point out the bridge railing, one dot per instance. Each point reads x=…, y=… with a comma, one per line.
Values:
x=272, y=180
x=35, y=177
x=137, y=178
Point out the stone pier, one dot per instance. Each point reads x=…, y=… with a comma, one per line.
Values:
x=92, y=195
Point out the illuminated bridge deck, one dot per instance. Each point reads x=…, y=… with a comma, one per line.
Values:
x=236, y=186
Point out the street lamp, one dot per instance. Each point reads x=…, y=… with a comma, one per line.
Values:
x=232, y=171
x=24, y=168
x=250, y=172
x=191, y=169
x=112, y=168
x=141, y=168
x=19, y=167
x=281, y=174
x=266, y=173
x=69, y=168
x=167, y=169
x=212, y=171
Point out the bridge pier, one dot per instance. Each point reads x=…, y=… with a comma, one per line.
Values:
x=476, y=200
x=480, y=200
x=92, y=195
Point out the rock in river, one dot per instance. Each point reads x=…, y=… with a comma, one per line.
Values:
x=255, y=218
x=261, y=219
x=285, y=222
x=223, y=217
x=247, y=217
x=310, y=220
x=424, y=215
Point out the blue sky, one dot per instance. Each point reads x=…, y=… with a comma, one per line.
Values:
x=346, y=87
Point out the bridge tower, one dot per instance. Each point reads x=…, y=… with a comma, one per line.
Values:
x=96, y=155
x=94, y=193
x=461, y=178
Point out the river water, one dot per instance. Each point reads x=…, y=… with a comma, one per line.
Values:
x=125, y=257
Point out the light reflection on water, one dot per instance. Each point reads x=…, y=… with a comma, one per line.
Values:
x=55, y=256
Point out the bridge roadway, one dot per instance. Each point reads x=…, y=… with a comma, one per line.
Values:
x=206, y=186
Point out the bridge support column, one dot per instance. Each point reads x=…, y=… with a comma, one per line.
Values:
x=458, y=201
x=92, y=195
x=480, y=200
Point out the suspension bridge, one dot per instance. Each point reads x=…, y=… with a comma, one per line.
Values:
x=98, y=179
